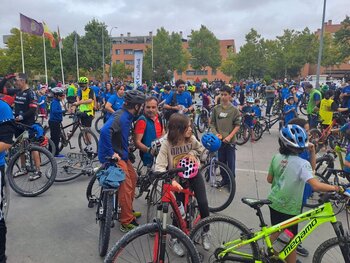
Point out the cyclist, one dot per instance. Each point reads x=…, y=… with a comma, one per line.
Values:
x=256, y=108
x=71, y=95
x=313, y=104
x=114, y=142
x=115, y=102
x=42, y=100
x=180, y=144
x=85, y=101
x=289, y=110
x=288, y=174
x=224, y=123
x=148, y=127
x=206, y=101
x=270, y=98
x=56, y=117
x=248, y=115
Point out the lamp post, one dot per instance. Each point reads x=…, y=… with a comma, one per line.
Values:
x=321, y=48
x=110, y=68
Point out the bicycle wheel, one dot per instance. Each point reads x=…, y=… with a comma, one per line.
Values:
x=243, y=134
x=258, y=131
x=23, y=183
x=314, y=137
x=302, y=108
x=93, y=191
x=201, y=122
x=153, y=200
x=218, y=198
x=99, y=123
x=5, y=197
x=105, y=213
x=322, y=165
x=329, y=251
x=69, y=169
x=216, y=231
x=142, y=245
x=87, y=138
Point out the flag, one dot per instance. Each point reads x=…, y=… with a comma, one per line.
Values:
x=48, y=34
x=31, y=26
x=60, y=44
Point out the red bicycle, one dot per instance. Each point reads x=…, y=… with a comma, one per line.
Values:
x=147, y=243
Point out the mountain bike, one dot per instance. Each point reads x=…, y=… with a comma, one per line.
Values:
x=202, y=122
x=233, y=241
x=5, y=198
x=268, y=123
x=100, y=121
x=148, y=243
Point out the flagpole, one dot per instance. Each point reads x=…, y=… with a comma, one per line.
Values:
x=45, y=60
x=20, y=33
x=59, y=46
x=76, y=54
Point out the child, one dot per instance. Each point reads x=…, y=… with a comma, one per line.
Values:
x=206, y=102
x=289, y=110
x=179, y=144
x=248, y=115
x=42, y=101
x=288, y=174
x=256, y=108
x=56, y=117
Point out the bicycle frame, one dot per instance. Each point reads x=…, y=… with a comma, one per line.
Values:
x=326, y=132
x=339, y=150
x=75, y=124
x=316, y=217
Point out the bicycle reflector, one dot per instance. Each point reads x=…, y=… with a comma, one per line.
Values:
x=192, y=168
x=211, y=142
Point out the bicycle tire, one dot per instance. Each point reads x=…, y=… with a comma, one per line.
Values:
x=211, y=224
x=241, y=138
x=258, y=131
x=52, y=171
x=98, y=123
x=302, y=109
x=327, y=245
x=93, y=139
x=105, y=223
x=212, y=190
x=6, y=197
x=90, y=193
x=200, y=124
x=67, y=171
x=148, y=231
x=322, y=165
x=152, y=201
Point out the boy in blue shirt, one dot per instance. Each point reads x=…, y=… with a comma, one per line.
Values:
x=248, y=115
x=56, y=118
x=289, y=110
x=256, y=108
x=42, y=101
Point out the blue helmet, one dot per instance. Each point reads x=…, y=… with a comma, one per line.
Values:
x=36, y=130
x=294, y=136
x=211, y=142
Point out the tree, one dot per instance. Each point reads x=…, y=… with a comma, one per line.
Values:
x=168, y=55
x=331, y=52
x=121, y=71
x=229, y=65
x=205, y=49
x=342, y=38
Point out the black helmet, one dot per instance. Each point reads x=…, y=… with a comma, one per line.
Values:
x=134, y=97
x=57, y=91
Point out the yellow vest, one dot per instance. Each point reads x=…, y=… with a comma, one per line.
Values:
x=326, y=112
x=87, y=107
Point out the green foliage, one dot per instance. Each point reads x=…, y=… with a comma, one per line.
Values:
x=342, y=38
x=205, y=49
x=168, y=55
x=121, y=71
x=229, y=65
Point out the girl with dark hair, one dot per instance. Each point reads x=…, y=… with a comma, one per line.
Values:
x=180, y=144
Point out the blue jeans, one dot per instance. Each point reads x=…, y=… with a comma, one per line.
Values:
x=227, y=155
x=269, y=102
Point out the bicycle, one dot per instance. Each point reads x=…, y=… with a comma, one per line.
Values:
x=100, y=121
x=5, y=198
x=240, y=244
x=84, y=133
x=268, y=123
x=147, y=243
x=76, y=164
x=202, y=122
x=26, y=159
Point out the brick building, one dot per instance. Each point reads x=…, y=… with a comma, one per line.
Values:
x=123, y=51
x=337, y=71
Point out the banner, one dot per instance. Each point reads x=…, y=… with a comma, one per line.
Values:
x=138, y=60
x=48, y=34
x=31, y=26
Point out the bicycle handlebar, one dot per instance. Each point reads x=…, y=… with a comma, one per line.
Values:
x=169, y=174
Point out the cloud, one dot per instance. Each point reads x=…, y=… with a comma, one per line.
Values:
x=226, y=18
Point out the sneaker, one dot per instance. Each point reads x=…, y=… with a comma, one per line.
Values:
x=176, y=247
x=35, y=176
x=302, y=251
x=59, y=156
x=221, y=184
x=136, y=214
x=128, y=227
x=206, y=240
x=21, y=172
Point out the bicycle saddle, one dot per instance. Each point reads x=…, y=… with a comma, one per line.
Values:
x=256, y=203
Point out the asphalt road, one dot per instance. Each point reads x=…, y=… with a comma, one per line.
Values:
x=58, y=226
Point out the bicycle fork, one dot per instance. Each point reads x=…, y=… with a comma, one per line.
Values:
x=160, y=238
x=343, y=240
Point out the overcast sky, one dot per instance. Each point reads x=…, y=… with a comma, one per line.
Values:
x=227, y=19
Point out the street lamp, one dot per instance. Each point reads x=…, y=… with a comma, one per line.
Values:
x=321, y=48
x=110, y=36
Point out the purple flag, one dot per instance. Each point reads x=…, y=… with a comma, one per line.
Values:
x=31, y=26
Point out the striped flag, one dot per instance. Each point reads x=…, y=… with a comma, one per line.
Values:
x=48, y=34
x=31, y=26
x=60, y=44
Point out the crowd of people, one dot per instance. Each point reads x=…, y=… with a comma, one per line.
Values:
x=129, y=110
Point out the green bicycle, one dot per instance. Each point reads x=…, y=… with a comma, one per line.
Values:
x=233, y=241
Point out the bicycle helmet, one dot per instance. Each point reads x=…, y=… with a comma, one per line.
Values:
x=57, y=91
x=290, y=98
x=192, y=168
x=155, y=146
x=83, y=80
x=134, y=97
x=324, y=88
x=37, y=130
x=294, y=136
x=211, y=142
x=250, y=100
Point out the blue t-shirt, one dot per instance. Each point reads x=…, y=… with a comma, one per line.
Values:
x=56, y=112
x=2, y=160
x=346, y=100
x=290, y=115
x=163, y=96
x=42, y=99
x=248, y=119
x=107, y=95
x=184, y=99
x=6, y=112
x=238, y=89
x=257, y=111
x=116, y=102
x=285, y=93
x=96, y=90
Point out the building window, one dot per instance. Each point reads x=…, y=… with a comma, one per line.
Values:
x=117, y=61
x=213, y=72
x=179, y=72
x=196, y=72
x=117, y=51
x=190, y=72
x=128, y=51
x=129, y=62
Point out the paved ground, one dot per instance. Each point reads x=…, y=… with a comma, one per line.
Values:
x=59, y=227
